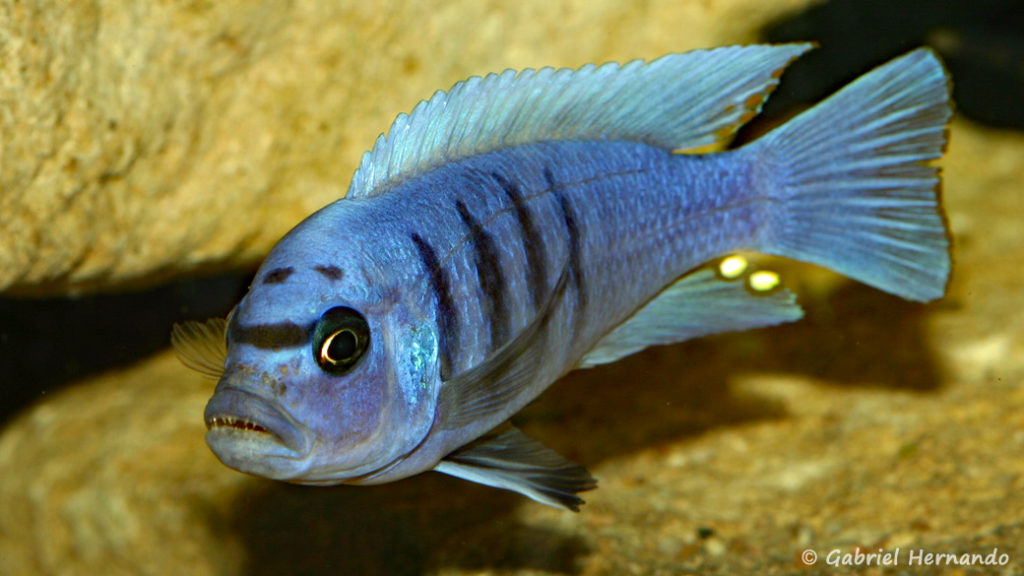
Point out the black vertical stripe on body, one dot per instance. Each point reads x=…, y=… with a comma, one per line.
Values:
x=572, y=228
x=447, y=324
x=490, y=276
x=533, y=242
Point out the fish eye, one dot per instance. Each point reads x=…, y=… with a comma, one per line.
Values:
x=340, y=340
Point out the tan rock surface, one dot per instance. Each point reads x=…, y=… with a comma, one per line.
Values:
x=874, y=423
x=139, y=141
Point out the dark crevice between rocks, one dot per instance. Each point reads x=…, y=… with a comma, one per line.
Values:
x=980, y=42
x=48, y=343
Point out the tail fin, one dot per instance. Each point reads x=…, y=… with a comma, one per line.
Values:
x=856, y=193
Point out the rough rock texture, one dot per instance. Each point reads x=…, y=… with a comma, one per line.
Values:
x=874, y=423
x=141, y=140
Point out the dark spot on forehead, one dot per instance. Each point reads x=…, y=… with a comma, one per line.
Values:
x=277, y=275
x=332, y=273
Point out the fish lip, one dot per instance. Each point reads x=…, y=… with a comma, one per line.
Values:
x=236, y=411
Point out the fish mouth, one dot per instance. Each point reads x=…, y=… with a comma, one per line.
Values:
x=252, y=434
x=237, y=423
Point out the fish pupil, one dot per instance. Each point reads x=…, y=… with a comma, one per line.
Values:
x=340, y=346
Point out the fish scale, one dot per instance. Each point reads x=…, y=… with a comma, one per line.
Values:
x=528, y=223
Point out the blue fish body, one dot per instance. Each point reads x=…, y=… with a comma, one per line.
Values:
x=397, y=330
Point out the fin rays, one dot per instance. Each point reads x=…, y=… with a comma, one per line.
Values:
x=647, y=102
x=857, y=193
x=485, y=389
x=698, y=304
x=514, y=461
x=201, y=345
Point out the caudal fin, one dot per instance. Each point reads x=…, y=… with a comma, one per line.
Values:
x=855, y=192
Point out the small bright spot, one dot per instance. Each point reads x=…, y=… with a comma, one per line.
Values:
x=732, y=266
x=763, y=281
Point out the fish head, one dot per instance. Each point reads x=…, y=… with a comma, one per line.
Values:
x=329, y=377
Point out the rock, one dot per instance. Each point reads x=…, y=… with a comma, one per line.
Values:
x=146, y=141
x=111, y=476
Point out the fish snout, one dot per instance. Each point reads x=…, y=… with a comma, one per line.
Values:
x=251, y=432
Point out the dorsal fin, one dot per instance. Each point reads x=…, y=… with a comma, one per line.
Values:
x=679, y=101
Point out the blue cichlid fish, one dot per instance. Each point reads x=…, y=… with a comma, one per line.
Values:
x=525, y=224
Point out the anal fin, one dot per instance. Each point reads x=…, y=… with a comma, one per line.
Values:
x=513, y=461
x=701, y=303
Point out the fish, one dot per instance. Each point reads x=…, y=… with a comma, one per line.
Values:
x=525, y=224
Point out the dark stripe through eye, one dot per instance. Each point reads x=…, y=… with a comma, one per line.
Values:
x=490, y=277
x=532, y=240
x=270, y=336
x=447, y=323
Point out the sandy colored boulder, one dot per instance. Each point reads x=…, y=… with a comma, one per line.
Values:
x=117, y=467
x=139, y=141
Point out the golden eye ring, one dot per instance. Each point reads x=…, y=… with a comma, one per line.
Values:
x=325, y=349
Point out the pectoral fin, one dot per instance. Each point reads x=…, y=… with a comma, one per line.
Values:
x=514, y=461
x=483, y=391
x=701, y=303
x=201, y=346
